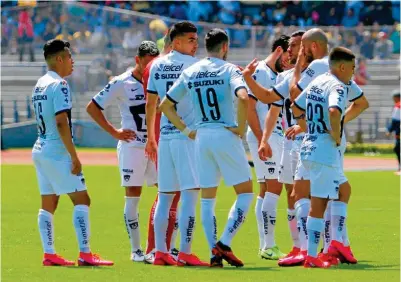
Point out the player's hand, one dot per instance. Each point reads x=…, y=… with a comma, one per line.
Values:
x=301, y=60
x=250, y=68
x=265, y=151
x=76, y=166
x=273, y=57
x=151, y=150
x=292, y=132
x=192, y=134
x=336, y=137
x=236, y=131
x=124, y=134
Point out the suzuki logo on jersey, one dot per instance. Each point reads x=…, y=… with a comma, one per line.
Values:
x=171, y=67
x=189, y=85
x=208, y=82
x=157, y=76
x=39, y=98
x=315, y=98
x=170, y=75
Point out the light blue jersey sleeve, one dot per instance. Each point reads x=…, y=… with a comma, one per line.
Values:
x=315, y=69
x=337, y=98
x=236, y=80
x=300, y=101
x=178, y=90
x=62, y=100
x=354, y=92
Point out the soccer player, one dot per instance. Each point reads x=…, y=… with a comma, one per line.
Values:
x=324, y=102
x=175, y=155
x=172, y=228
x=395, y=126
x=289, y=157
x=212, y=85
x=135, y=167
x=271, y=137
x=56, y=161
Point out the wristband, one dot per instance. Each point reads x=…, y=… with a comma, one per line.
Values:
x=186, y=131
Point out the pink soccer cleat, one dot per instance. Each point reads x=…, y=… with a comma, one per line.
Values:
x=56, y=260
x=90, y=259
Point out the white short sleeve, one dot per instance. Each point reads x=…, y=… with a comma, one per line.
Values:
x=354, y=92
x=337, y=98
x=178, y=90
x=282, y=89
x=111, y=91
x=151, y=81
x=62, y=100
x=315, y=69
x=236, y=80
x=300, y=101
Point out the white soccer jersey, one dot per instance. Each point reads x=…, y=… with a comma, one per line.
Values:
x=211, y=84
x=50, y=97
x=163, y=73
x=129, y=93
x=282, y=88
x=316, y=68
x=265, y=76
x=325, y=92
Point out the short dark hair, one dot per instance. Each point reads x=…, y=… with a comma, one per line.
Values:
x=214, y=39
x=282, y=41
x=167, y=39
x=338, y=54
x=298, y=33
x=148, y=48
x=181, y=28
x=54, y=46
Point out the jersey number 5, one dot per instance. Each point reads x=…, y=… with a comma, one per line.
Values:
x=211, y=98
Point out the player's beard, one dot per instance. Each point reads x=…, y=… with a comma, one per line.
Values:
x=278, y=65
x=309, y=57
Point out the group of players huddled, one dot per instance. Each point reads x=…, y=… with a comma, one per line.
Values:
x=182, y=124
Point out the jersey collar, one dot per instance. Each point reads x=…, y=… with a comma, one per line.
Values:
x=54, y=74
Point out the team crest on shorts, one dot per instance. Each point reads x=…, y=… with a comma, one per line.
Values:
x=127, y=177
x=271, y=170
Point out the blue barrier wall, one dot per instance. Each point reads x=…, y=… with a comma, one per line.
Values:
x=86, y=134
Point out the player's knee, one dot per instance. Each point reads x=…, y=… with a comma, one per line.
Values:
x=133, y=191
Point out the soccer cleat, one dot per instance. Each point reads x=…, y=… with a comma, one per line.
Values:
x=227, y=254
x=149, y=258
x=295, y=251
x=189, y=260
x=295, y=260
x=90, y=259
x=138, y=256
x=332, y=260
x=344, y=253
x=273, y=253
x=311, y=262
x=216, y=261
x=164, y=259
x=56, y=260
x=174, y=253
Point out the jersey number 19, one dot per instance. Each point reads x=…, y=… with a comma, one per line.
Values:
x=213, y=110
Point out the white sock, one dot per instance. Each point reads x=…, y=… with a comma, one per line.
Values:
x=269, y=211
x=292, y=224
x=82, y=227
x=346, y=242
x=189, y=198
x=259, y=220
x=209, y=223
x=327, y=228
x=46, y=230
x=236, y=217
x=131, y=218
x=338, y=218
x=174, y=235
x=302, y=207
x=161, y=220
x=315, y=227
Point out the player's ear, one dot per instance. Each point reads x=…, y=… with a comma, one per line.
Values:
x=137, y=60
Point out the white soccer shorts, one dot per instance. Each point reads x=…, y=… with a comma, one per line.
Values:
x=342, y=178
x=267, y=169
x=135, y=167
x=176, y=165
x=324, y=180
x=286, y=173
x=301, y=173
x=219, y=152
x=54, y=175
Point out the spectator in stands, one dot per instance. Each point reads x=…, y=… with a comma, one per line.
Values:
x=361, y=74
x=332, y=19
x=39, y=26
x=228, y=12
x=49, y=32
x=367, y=46
x=384, y=47
x=359, y=33
x=6, y=31
x=25, y=35
x=395, y=38
x=394, y=126
x=178, y=11
x=350, y=19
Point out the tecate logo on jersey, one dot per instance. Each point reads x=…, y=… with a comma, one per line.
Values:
x=171, y=67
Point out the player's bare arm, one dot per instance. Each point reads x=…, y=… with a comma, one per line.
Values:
x=242, y=113
x=335, y=123
x=97, y=115
x=264, y=95
x=299, y=65
x=167, y=107
x=356, y=108
x=299, y=116
x=265, y=150
x=151, y=109
x=253, y=120
x=63, y=127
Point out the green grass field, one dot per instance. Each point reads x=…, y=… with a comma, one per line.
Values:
x=374, y=225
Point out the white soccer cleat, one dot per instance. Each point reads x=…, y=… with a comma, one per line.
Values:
x=138, y=256
x=149, y=258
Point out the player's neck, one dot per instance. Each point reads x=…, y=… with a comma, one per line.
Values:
x=339, y=77
x=53, y=69
x=181, y=52
x=216, y=55
x=137, y=74
x=270, y=65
